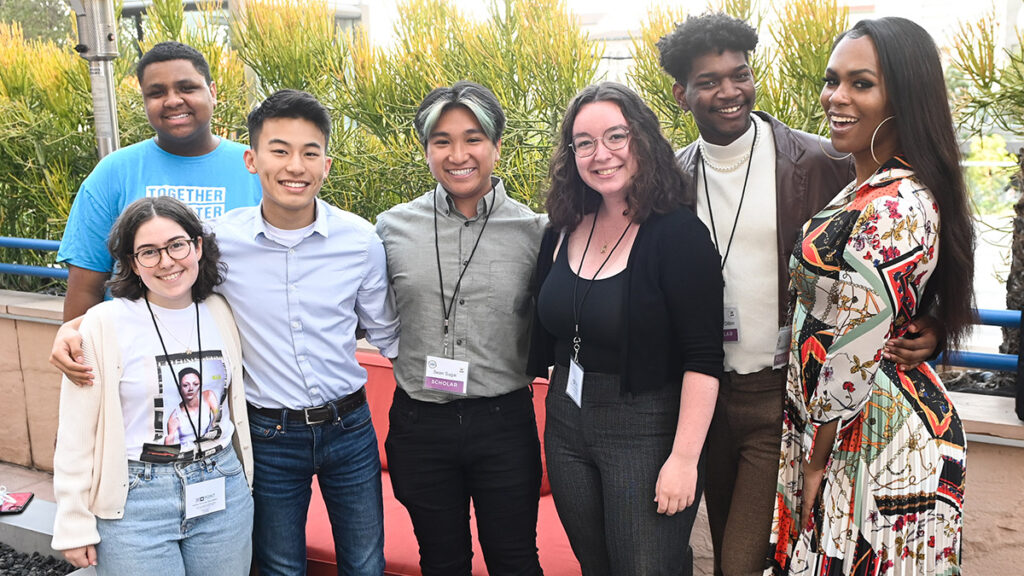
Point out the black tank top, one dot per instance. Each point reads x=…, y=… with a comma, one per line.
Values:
x=600, y=316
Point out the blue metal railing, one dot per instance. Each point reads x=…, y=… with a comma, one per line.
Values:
x=963, y=358
x=984, y=360
x=26, y=270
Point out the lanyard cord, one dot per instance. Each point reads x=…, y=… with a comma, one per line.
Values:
x=446, y=308
x=577, y=310
x=743, y=194
x=199, y=337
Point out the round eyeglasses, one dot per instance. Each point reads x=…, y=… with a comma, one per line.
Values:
x=177, y=250
x=614, y=139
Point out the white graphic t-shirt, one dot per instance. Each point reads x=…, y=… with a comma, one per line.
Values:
x=168, y=399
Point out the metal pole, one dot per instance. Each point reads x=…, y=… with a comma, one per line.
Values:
x=97, y=43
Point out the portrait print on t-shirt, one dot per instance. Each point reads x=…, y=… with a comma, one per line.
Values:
x=190, y=402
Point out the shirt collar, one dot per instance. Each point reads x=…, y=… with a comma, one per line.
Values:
x=895, y=168
x=443, y=202
x=259, y=225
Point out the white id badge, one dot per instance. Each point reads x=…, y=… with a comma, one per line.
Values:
x=782, y=348
x=446, y=375
x=731, y=326
x=204, y=497
x=574, y=388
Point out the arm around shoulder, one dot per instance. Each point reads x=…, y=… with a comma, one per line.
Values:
x=375, y=303
x=85, y=290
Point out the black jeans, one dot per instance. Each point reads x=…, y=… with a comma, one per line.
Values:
x=486, y=449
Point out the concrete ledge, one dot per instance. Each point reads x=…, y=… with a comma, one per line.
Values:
x=37, y=307
x=32, y=530
x=993, y=416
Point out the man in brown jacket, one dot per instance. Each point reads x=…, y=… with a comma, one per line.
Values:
x=754, y=182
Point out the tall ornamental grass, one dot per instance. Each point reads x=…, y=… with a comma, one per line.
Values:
x=532, y=53
x=994, y=97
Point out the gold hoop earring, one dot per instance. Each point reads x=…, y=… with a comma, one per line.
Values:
x=825, y=152
x=875, y=133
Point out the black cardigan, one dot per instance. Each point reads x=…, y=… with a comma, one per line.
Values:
x=673, y=305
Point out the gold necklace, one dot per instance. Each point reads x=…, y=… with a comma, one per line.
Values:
x=186, y=345
x=604, y=247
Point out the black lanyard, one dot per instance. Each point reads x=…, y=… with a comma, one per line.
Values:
x=446, y=309
x=577, y=310
x=174, y=377
x=743, y=194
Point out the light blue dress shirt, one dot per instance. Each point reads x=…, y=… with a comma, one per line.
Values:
x=297, y=308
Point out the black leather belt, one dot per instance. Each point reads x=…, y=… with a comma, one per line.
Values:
x=317, y=414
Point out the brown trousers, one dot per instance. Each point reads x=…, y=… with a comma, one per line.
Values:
x=743, y=466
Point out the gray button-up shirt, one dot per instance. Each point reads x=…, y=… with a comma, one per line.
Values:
x=489, y=326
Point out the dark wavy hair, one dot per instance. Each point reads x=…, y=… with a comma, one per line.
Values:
x=916, y=89
x=126, y=283
x=658, y=184
x=171, y=50
x=699, y=35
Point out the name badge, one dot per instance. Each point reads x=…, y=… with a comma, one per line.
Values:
x=204, y=497
x=446, y=375
x=574, y=388
x=731, y=326
x=781, y=359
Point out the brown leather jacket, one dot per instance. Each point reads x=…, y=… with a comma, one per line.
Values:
x=805, y=180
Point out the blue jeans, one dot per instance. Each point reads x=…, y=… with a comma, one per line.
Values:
x=154, y=536
x=343, y=455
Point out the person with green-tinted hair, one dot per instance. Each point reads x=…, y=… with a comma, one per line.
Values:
x=460, y=259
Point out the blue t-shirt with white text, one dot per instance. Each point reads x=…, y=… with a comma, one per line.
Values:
x=211, y=184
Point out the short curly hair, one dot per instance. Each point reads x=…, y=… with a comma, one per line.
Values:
x=699, y=35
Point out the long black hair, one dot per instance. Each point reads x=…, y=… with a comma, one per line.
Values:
x=916, y=90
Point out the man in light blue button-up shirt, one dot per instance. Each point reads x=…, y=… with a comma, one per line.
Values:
x=302, y=276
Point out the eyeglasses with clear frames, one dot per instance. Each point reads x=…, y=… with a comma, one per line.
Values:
x=177, y=250
x=613, y=139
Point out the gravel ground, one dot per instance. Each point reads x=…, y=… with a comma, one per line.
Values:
x=14, y=563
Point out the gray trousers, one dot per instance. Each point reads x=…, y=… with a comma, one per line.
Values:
x=743, y=467
x=603, y=462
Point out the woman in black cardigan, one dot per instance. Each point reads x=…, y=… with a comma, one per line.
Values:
x=629, y=312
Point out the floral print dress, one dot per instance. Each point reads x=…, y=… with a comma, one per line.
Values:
x=891, y=498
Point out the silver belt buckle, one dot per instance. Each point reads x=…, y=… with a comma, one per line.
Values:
x=305, y=415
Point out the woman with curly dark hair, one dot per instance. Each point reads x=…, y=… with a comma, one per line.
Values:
x=629, y=312
x=127, y=494
x=872, y=467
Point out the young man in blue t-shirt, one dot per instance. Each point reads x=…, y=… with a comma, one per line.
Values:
x=184, y=160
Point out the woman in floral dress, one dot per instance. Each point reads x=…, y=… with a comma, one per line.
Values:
x=872, y=464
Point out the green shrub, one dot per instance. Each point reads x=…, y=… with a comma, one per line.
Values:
x=532, y=53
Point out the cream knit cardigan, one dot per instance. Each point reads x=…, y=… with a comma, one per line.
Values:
x=90, y=468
